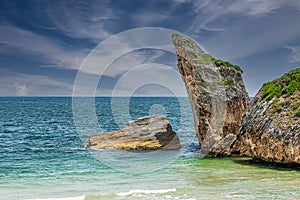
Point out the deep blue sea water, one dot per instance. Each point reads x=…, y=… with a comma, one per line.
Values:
x=43, y=155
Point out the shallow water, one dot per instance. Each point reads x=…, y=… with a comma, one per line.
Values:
x=43, y=156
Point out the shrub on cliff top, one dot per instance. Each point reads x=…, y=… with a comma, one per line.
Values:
x=219, y=63
x=285, y=85
x=204, y=58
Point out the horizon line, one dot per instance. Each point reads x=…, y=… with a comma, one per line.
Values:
x=88, y=96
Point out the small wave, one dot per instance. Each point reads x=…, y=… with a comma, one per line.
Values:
x=65, y=198
x=8, y=131
x=10, y=125
x=132, y=192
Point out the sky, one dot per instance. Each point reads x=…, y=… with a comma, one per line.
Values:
x=43, y=44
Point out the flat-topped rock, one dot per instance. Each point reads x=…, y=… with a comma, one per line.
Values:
x=145, y=133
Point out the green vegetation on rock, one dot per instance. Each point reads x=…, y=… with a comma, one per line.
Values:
x=285, y=85
x=283, y=93
x=213, y=85
x=192, y=42
x=175, y=38
x=219, y=63
x=192, y=56
x=205, y=58
x=295, y=106
x=277, y=109
x=229, y=82
x=298, y=113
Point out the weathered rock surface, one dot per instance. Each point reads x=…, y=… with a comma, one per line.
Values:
x=217, y=96
x=271, y=129
x=146, y=133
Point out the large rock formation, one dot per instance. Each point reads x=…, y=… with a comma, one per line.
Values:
x=271, y=129
x=217, y=96
x=146, y=133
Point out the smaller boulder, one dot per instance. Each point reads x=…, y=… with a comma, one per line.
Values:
x=145, y=133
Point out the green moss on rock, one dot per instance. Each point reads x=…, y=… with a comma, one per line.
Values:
x=295, y=106
x=220, y=63
x=205, y=58
x=277, y=109
x=175, y=38
x=192, y=56
x=298, y=113
x=229, y=82
x=285, y=85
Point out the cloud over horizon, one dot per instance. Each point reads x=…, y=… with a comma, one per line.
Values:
x=44, y=43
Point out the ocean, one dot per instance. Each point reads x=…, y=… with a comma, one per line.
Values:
x=43, y=155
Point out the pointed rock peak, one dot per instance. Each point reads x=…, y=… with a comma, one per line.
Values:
x=216, y=93
x=191, y=52
x=186, y=47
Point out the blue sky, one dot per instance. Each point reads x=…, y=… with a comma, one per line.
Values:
x=43, y=43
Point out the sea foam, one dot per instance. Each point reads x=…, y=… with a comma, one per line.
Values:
x=65, y=198
x=137, y=191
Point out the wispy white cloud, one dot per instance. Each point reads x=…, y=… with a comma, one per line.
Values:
x=75, y=19
x=166, y=80
x=295, y=54
x=21, y=89
x=255, y=25
x=136, y=58
x=240, y=28
x=212, y=13
x=27, y=84
x=254, y=36
x=17, y=41
x=253, y=7
x=82, y=19
x=148, y=18
x=121, y=52
x=125, y=63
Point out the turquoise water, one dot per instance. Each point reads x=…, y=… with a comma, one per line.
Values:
x=43, y=156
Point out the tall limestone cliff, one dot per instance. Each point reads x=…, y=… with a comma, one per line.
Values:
x=271, y=129
x=217, y=96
